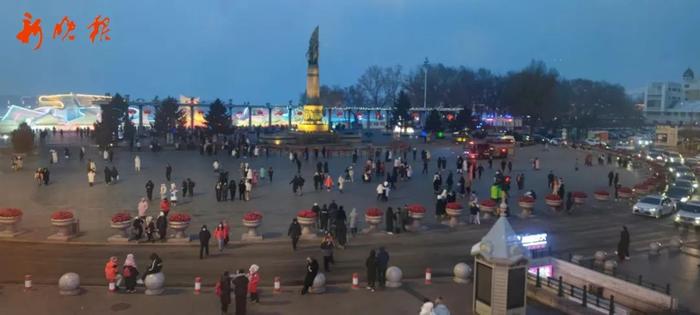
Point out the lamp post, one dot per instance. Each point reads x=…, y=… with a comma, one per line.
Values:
x=425, y=88
x=269, y=115
x=192, y=113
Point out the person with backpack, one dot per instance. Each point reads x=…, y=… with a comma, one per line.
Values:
x=130, y=273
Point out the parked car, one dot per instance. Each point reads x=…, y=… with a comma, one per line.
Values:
x=678, y=193
x=557, y=141
x=592, y=142
x=654, y=206
x=684, y=183
x=688, y=214
x=681, y=171
x=674, y=157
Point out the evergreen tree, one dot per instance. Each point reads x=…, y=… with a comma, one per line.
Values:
x=434, y=121
x=168, y=116
x=217, y=120
x=400, y=114
x=114, y=115
x=23, y=138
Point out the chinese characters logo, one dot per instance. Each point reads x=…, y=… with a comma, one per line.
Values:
x=99, y=30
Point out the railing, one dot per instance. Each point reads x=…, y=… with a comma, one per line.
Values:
x=638, y=280
x=582, y=294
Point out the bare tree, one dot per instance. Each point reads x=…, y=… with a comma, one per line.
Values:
x=371, y=84
x=392, y=81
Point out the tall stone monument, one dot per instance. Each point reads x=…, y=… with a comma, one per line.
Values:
x=313, y=109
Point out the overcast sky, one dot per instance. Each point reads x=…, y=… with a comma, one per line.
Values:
x=253, y=50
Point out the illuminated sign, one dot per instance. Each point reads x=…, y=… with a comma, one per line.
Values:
x=533, y=241
x=546, y=271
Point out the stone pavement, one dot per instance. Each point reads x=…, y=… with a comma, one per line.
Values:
x=94, y=206
x=180, y=300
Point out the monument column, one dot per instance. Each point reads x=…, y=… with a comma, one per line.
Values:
x=250, y=116
x=269, y=115
x=369, y=118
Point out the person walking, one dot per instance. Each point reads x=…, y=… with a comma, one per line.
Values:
x=341, y=230
x=163, y=191
x=389, y=221
x=137, y=163
x=112, y=271
x=91, y=178
x=382, y=265
x=294, y=232
x=311, y=272
x=269, y=173
x=353, y=222
x=232, y=189
x=149, y=190
x=240, y=291
x=223, y=290
x=168, y=172
x=150, y=229
x=190, y=187
x=623, y=246
x=253, y=281
x=142, y=207
x=327, y=250
x=220, y=235
x=371, y=265
x=341, y=183
x=173, y=194
x=130, y=273
x=204, y=237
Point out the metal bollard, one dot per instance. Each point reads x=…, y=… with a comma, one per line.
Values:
x=27, y=282
x=640, y=279
x=584, y=300
x=537, y=281
x=571, y=290
x=597, y=300
x=560, y=292
x=668, y=289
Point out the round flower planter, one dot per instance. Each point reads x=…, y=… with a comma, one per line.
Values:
x=307, y=226
x=64, y=227
x=642, y=189
x=488, y=207
x=122, y=227
x=252, y=227
x=373, y=222
x=624, y=193
x=454, y=215
x=601, y=195
x=552, y=202
x=416, y=217
x=579, y=197
x=179, y=227
x=10, y=224
x=527, y=204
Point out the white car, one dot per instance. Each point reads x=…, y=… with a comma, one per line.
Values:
x=674, y=157
x=591, y=142
x=624, y=146
x=654, y=206
x=688, y=214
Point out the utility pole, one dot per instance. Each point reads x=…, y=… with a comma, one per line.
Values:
x=425, y=90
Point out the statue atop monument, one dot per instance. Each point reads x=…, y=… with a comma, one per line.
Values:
x=312, y=53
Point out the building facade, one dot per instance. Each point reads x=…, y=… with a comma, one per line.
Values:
x=673, y=103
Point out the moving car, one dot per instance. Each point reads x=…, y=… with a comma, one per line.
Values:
x=461, y=137
x=678, y=194
x=688, y=214
x=681, y=171
x=691, y=178
x=684, y=183
x=654, y=206
x=592, y=142
x=674, y=157
x=624, y=146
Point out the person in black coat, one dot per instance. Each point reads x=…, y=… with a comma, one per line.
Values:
x=382, y=265
x=108, y=175
x=155, y=266
x=324, y=218
x=204, y=237
x=162, y=225
x=311, y=272
x=240, y=290
x=168, y=172
x=623, y=247
x=389, y=220
x=225, y=292
x=371, y=265
x=190, y=187
x=294, y=233
x=137, y=229
x=149, y=190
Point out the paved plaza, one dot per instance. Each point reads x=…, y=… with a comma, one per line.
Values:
x=594, y=226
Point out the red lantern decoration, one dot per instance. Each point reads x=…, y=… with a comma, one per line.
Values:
x=132, y=111
x=147, y=111
x=300, y=113
x=259, y=112
x=450, y=117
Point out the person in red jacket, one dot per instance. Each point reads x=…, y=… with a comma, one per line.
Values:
x=165, y=206
x=253, y=280
x=220, y=235
x=111, y=270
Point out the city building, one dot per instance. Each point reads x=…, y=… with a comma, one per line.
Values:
x=672, y=102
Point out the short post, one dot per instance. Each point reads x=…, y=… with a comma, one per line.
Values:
x=572, y=290
x=597, y=299
x=428, y=276
x=27, y=283
x=668, y=289
x=571, y=256
x=611, y=310
x=653, y=286
x=197, y=285
x=537, y=281
x=560, y=292
x=277, y=286
x=355, y=281
x=640, y=279
x=584, y=300
x=112, y=286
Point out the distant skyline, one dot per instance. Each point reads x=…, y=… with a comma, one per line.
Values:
x=254, y=50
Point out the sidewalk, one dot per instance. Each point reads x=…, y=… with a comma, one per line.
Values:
x=337, y=300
